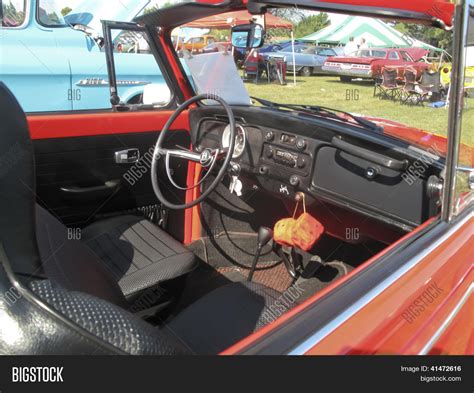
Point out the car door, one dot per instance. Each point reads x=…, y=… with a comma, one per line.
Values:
x=96, y=163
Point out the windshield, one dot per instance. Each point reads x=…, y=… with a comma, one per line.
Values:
x=381, y=54
x=348, y=83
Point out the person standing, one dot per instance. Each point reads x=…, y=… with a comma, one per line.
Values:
x=351, y=47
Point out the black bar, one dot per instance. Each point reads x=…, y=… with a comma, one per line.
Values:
x=245, y=374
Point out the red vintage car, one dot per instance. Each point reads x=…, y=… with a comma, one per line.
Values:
x=368, y=63
x=146, y=229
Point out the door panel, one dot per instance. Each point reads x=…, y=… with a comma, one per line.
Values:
x=78, y=179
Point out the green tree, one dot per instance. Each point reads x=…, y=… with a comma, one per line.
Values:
x=310, y=24
x=436, y=37
x=65, y=11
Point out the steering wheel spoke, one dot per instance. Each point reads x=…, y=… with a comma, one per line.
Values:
x=184, y=154
x=207, y=158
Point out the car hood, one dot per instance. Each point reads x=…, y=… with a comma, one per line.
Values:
x=91, y=12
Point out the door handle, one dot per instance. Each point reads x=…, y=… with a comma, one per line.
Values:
x=369, y=155
x=90, y=193
x=107, y=186
x=129, y=156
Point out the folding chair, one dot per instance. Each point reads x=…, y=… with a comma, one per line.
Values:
x=430, y=85
x=415, y=93
x=276, y=70
x=388, y=88
x=409, y=93
x=253, y=69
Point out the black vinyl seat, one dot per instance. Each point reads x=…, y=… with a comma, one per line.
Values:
x=128, y=250
x=78, y=298
x=137, y=253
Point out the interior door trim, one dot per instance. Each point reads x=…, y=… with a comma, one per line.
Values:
x=92, y=124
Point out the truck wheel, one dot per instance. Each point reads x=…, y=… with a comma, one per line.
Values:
x=345, y=79
x=306, y=71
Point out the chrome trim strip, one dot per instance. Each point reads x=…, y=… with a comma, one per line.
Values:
x=359, y=304
x=447, y=322
x=456, y=99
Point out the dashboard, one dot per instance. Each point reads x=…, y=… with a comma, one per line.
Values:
x=340, y=164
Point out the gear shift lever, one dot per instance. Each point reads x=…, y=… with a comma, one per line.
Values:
x=264, y=236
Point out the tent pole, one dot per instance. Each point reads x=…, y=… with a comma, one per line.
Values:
x=293, y=54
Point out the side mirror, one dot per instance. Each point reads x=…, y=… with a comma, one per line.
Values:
x=81, y=18
x=248, y=36
x=157, y=94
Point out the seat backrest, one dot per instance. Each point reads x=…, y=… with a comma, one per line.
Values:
x=389, y=77
x=431, y=80
x=410, y=79
x=17, y=188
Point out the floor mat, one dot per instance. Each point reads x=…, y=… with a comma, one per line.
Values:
x=275, y=276
x=232, y=249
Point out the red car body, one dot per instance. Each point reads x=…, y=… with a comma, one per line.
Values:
x=435, y=259
x=369, y=63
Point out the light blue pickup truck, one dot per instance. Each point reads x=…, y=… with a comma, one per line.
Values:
x=53, y=62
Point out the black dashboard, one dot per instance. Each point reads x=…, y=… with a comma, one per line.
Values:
x=342, y=164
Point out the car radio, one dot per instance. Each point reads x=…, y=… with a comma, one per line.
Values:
x=285, y=157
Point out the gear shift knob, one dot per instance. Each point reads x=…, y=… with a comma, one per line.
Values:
x=264, y=236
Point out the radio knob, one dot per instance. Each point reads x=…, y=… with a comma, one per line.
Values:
x=301, y=144
x=269, y=135
x=301, y=162
x=270, y=152
x=294, y=180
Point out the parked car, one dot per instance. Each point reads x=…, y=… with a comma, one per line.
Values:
x=257, y=56
x=280, y=46
x=217, y=47
x=309, y=61
x=65, y=59
x=197, y=44
x=368, y=63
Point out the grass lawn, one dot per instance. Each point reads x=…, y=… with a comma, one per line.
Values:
x=357, y=97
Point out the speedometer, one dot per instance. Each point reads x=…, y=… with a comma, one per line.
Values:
x=240, y=140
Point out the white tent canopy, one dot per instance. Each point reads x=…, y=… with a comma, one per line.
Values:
x=376, y=33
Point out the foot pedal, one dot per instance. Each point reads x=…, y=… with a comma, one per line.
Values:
x=314, y=264
x=292, y=261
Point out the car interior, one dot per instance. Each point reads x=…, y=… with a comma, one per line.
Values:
x=148, y=246
x=128, y=261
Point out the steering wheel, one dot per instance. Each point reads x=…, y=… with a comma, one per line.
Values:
x=207, y=158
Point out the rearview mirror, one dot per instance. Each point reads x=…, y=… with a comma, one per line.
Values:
x=247, y=36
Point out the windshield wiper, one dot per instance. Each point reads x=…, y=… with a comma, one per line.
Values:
x=328, y=112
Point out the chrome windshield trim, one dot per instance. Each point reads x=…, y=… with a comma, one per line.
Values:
x=447, y=322
x=456, y=99
x=372, y=294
